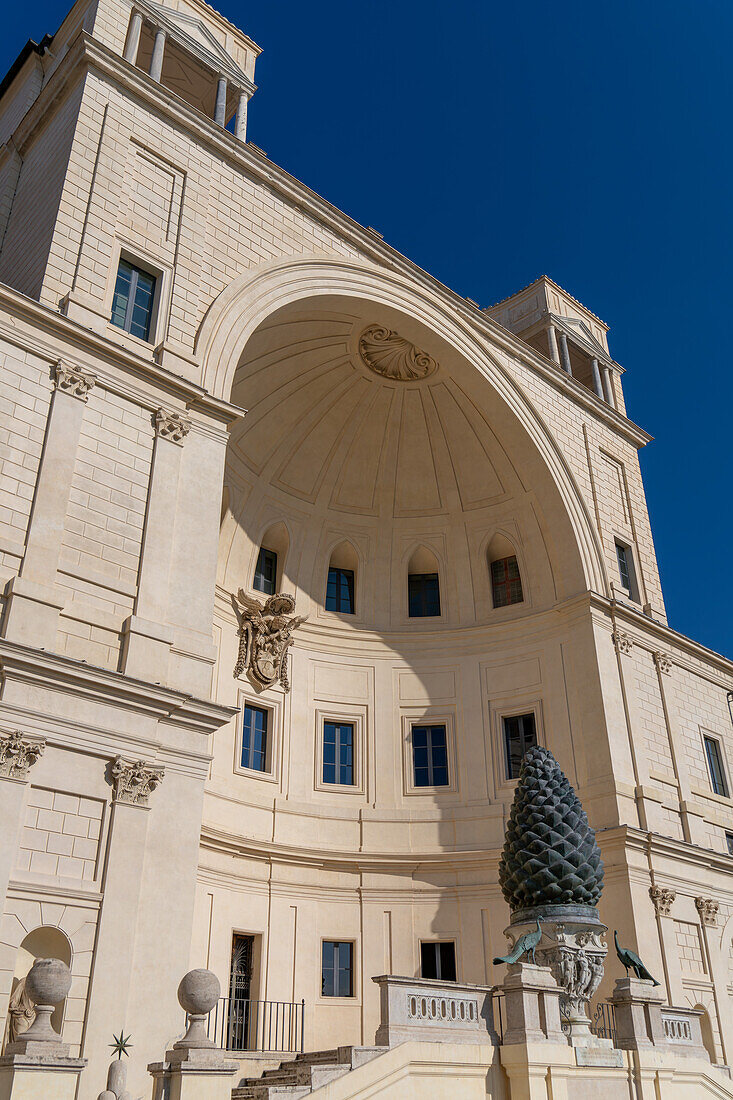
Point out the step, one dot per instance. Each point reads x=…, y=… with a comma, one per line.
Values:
x=270, y=1092
x=313, y=1074
x=351, y=1056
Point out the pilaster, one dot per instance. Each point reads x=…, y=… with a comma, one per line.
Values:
x=147, y=642
x=34, y=601
x=18, y=753
x=113, y=977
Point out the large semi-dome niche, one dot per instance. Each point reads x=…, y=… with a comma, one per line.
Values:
x=369, y=437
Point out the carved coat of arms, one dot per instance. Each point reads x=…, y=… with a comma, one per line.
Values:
x=265, y=631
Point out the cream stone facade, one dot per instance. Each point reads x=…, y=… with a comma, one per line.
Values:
x=391, y=429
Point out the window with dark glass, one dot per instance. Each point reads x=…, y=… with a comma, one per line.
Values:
x=729, y=843
x=623, y=556
x=338, y=753
x=266, y=572
x=520, y=734
x=714, y=754
x=430, y=756
x=337, y=969
x=254, y=738
x=438, y=960
x=340, y=590
x=132, y=303
x=423, y=594
x=506, y=583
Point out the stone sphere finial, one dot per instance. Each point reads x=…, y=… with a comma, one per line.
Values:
x=550, y=856
x=197, y=994
x=47, y=983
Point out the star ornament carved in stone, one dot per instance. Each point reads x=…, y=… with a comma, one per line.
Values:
x=387, y=353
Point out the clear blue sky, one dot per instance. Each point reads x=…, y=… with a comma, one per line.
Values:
x=492, y=143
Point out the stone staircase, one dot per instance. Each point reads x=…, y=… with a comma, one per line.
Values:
x=305, y=1073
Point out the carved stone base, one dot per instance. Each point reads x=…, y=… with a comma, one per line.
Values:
x=572, y=945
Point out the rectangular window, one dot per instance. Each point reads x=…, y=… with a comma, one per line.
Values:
x=430, y=756
x=266, y=572
x=506, y=583
x=340, y=591
x=423, y=594
x=520, y=734
x=338, y=753
x=254, y=738
x=132, y=304
x=729, y=843
x=438, y=960
x=623, y=556
x=337, y=969
x=714, y=754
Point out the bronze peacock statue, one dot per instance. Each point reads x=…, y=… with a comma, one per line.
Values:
x=629, y=959
x=526, y=943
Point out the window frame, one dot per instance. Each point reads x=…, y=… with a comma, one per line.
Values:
x=443, y=716
x=430, y=728
x=729, y=842
x=508, y=706
x=274, y=554
x=633, y=593
x=352, y=997
x=132, y=253
x=355, y=716
x=436, y=943
x=337, y=764
x=436, y=615
x=506, y=582
x=708, y=737
x=132, y=304
x=507, y=754
x=271, y=774
x=338, y=610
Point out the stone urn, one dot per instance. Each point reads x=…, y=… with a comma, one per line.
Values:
x=198, y=993
x=47, y=984
x=551, y=871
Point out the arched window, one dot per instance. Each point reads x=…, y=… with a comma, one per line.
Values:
x=423, y=584
x=506, y=580
x=341, y=583
x=271, y=559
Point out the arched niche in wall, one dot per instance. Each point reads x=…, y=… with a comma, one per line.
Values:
x=505, y=578
x=706, y=1027
x=342, y=579
x=42, y=943
x=423, y=584
x=275, y=540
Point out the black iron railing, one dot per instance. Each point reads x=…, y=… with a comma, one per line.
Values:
x=603, y=1024
x=257, y=1025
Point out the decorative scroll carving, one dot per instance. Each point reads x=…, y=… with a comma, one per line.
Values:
x=73, y=380
x=18, y=753
x=662, y=899
x=387, y=353
x=265, y=631
x=173, y=426
x=577, y=961
x=135, y=780
x=622, y=641
x=708, y=910
x=663, y=662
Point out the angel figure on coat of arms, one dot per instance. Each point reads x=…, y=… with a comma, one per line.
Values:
x=265, y=631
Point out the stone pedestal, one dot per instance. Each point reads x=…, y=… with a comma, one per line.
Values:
x=572, y=946
x=34, y=1076
x=532, y=1005
x=638, y=1009
x=193, y=1073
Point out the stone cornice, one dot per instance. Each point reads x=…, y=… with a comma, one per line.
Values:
x=63, y=674
x=87, y=53
x=49, y=327
x=678, y=851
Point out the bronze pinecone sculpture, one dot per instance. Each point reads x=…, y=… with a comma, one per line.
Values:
x=550, y=855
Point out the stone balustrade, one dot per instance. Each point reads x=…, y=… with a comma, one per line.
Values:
x=434, y=1011
x=683, y=1031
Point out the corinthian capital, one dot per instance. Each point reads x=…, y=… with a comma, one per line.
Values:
x=18, y=753
x=708, y=910
x=622, y=641
x=173, y=426
x=662, y=899
x=73, y=380
x=135, y=780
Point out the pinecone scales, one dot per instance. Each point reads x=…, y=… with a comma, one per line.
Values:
x=550, y=855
